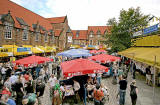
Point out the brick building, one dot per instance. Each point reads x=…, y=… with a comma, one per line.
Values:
x=96, y=34
x=62, y=29
x=79, y=37
x=21, y=26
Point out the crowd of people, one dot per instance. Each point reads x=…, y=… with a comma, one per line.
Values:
x=25, y=86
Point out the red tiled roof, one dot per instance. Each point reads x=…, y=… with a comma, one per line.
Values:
x=102, y=29
x=57, y=19
x=57, y=32
x=82, y=34
x=28, y=16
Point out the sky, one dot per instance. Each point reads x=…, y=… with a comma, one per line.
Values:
x=84, y=13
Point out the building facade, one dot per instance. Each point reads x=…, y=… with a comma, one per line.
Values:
x=20, y=26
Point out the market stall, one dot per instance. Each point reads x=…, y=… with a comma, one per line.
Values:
x=80, y=67
x=104, y=58
x=31, y=61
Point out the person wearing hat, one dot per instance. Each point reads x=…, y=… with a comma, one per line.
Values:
x=133, y=92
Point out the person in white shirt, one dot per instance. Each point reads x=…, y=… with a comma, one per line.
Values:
x=52, y=82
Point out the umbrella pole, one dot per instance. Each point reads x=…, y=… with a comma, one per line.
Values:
x=154, y=79
x=85, y=95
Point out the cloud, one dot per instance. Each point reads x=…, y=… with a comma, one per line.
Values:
x=84, y=13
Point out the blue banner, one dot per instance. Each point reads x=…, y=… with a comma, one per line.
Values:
x=150, y=29
x=23, y=49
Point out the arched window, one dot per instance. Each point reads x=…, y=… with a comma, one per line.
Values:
x=46, y=37
x=37, y=36
x=52, y=38
x=25, y=33
x=8, y=30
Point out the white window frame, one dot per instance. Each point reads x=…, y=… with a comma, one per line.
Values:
x=46, y=37
x=8, y=30
x=37, y=36
x=25, y=34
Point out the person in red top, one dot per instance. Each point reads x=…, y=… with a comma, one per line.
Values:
x=6, y=91
x=26, y=76
x=98, y=95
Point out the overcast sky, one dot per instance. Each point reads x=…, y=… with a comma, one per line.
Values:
x=84, y=13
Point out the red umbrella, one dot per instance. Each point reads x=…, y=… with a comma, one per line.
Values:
x=101, y=51
x=32, y=60
x=81, y=67
x=103, y=58
x=93, y=51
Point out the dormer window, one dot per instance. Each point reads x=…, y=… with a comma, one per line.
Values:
x=8, y=30
x=77, y=33
x=91, y=34
x=46, y=37
x=37, y=36
x=25, y=33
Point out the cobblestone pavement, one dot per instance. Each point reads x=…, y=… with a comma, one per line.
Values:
x=144, y=96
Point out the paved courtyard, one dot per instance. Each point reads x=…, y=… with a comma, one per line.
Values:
x=145, y=96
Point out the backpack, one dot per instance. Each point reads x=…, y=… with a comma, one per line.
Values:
x=133, y=92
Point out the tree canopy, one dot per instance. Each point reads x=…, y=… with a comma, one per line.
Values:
x=129, y=21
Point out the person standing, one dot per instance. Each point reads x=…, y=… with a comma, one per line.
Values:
x=52, y=82
x=122, y=90
x=148, y=75
x=133, y=92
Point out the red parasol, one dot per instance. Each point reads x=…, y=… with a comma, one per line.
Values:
x=81, y=67
x=32, y=60
x=103, y=58
x=93, y=51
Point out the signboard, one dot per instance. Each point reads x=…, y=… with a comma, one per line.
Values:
x=23, y=49
x=138, y=33
x=69, y=38
x=5, y=49
x=150, y=29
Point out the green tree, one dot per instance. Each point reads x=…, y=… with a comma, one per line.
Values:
x=122, y=30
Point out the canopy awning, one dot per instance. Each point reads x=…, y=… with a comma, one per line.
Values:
x=104, y=58
x=145, y=55
x=32, y=60
x=81, y=67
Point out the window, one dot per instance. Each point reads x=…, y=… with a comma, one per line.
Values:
x=90, y=42
x=98, y=42
x=25, y=34
x=46, y=37
x=98, y=33
x=8, y=31
x=37, y=36
x=91, y=34
x=77, y=33
x=52, y=38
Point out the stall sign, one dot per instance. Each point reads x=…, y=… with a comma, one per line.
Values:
x=75, y=74
x=99, y=71
x=150, y=29
x=23, y=49
x=5, y=49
